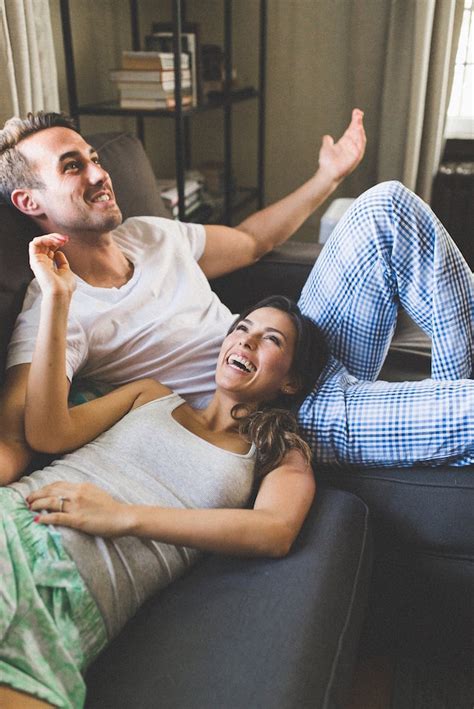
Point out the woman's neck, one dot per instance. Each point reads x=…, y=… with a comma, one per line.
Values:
x=217, y=416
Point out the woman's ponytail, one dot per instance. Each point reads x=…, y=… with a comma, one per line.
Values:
x=274, y=432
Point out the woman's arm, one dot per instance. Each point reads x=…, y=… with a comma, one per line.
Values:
x=50, y=426
x=269, y=529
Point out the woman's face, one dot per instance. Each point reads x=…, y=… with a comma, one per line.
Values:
x=256, y=357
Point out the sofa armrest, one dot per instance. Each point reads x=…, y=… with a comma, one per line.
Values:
x=283, y=272
x=241, y=633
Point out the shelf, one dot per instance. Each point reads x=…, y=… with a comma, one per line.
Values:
x=222, y=213
x=113, y=108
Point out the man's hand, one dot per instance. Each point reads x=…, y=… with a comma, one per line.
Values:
x=50, y=265
x=230, y=248
x=337, y=160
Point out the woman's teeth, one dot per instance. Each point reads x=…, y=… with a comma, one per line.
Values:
x=241, y=362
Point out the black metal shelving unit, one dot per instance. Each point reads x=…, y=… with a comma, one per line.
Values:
x=234, y=199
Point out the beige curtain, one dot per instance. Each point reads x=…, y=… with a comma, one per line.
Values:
x=28, y=75
x=421, y=47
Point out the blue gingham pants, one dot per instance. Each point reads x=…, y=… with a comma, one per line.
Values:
x=389, y=249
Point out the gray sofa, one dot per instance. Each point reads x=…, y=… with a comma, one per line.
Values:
x=237, y=633
x=232, y=632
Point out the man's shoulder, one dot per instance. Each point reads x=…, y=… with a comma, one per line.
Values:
x=146, y=231
x=143, y=233
x=145, y=227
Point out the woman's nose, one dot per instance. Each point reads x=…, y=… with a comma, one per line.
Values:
x=247, y=341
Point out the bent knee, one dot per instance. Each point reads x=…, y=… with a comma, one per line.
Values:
x=389, y=189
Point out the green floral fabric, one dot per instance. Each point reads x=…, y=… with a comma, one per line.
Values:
x=50, y=626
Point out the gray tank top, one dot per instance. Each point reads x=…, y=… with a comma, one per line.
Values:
x=146, y=458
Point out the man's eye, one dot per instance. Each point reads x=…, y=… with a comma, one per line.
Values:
x=73, y=165
x=96, y=160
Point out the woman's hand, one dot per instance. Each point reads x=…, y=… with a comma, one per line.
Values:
x=50, y=265
x=338, y=160
x=83, y=506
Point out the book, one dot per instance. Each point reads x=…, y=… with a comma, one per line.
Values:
x=154, y=103
x=190, y=205
x=163, y=41
x=150, y=90
x=147, y=76
x=152, y=60
x=169, y=194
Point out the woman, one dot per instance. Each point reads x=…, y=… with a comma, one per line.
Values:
x=149, y=482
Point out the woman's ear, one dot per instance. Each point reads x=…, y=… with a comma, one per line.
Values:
x=24, y=201
x=291, y=387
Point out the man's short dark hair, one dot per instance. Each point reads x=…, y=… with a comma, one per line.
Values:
x=15, y=170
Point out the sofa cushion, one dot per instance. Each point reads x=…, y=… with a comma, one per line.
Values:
x=423, y=528
x=124, y=158
x=283, y=271
x=250, y=632
x=424, y=508
x=15, y=233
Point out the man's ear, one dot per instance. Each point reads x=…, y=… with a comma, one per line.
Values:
x=24, y=201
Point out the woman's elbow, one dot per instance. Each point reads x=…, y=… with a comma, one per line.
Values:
x=42, y=442
x=280, y=542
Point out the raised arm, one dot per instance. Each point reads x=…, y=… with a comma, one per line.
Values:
x=228, y=249
x=269, y=529
x=50, y=425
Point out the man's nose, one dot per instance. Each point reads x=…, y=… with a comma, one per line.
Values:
x=96, y=173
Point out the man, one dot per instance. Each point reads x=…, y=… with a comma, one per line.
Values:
x=132, y=273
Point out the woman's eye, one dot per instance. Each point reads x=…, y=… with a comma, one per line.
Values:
x=241, y=326
x=274, y=339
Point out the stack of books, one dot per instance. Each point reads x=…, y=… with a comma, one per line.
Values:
x=163, y=41
x=192, y=196
x=147, y=80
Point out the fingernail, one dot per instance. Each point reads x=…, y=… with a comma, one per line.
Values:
x=37, y=518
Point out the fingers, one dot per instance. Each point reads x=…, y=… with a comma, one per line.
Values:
x=356, y=130
x=54, y=497
x=59, y=519
x=50, y=265
x=55, y=503
x=50, y=493
x=60, y=260
x=47, y=242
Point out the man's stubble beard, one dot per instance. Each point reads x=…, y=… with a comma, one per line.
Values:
x=88, y=224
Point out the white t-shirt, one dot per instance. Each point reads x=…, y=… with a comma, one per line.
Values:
x=165, y=323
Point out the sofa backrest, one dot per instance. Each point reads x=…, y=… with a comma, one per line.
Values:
x=123, y=156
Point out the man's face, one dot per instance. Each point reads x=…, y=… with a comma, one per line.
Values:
x=77, y=196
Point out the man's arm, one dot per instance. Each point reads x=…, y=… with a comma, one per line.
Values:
x=14, y=451
x=230, y=248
